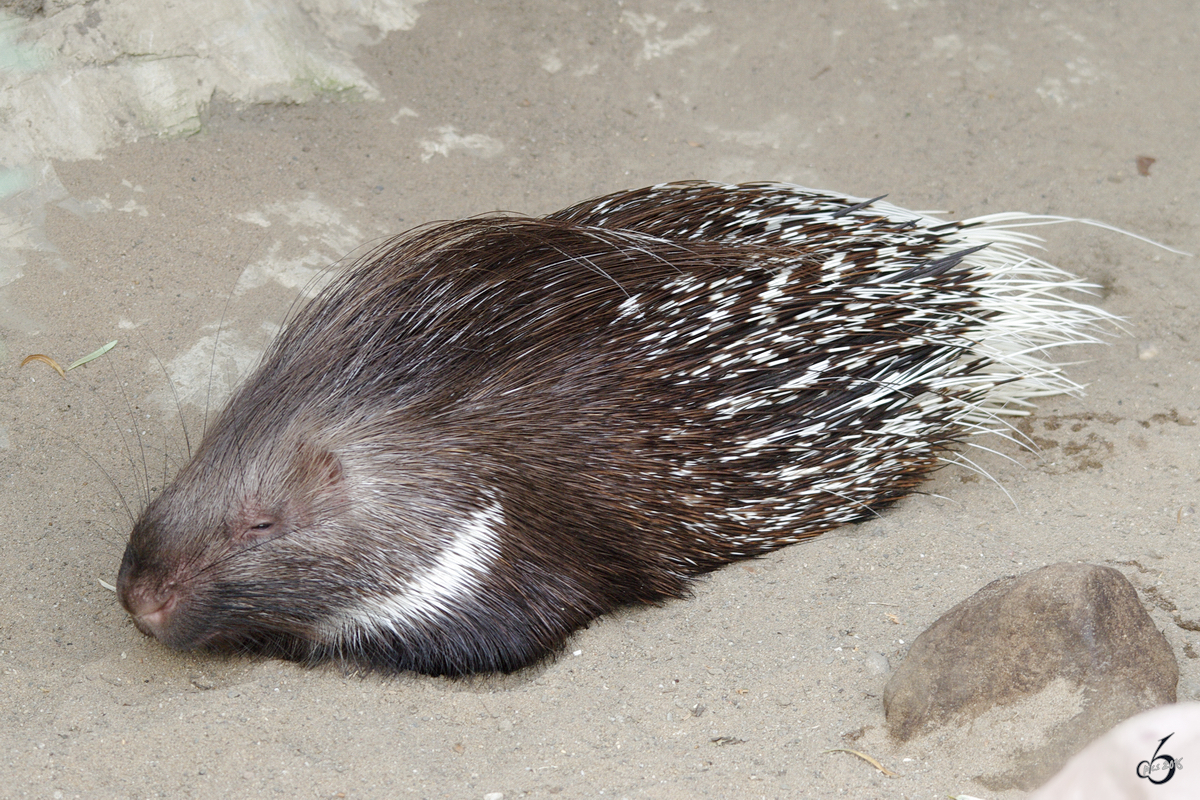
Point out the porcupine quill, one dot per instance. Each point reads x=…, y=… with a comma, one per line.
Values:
x=486, y=433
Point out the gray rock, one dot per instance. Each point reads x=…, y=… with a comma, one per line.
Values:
x=22, y=8
x=1075, y=625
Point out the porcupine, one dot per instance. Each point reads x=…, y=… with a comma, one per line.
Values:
x=486, y=433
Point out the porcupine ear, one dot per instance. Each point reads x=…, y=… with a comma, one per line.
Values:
x=317, y=473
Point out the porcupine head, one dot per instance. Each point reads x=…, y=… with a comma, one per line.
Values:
x=278, y=540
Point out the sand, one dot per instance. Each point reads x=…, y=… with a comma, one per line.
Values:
x=741, y=690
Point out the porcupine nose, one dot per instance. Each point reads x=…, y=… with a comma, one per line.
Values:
x=150, y=606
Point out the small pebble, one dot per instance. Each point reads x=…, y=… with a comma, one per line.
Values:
x=877, y=663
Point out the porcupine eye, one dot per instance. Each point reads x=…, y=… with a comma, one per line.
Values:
x=260, y=528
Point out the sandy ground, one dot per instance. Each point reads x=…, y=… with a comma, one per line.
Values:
x=740, y=691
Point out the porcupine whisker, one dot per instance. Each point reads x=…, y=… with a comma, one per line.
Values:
x=142, y=477
x=126, y=454
x=212, y=365
x=261, y=543
x=178, y=412
x=96, y=463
